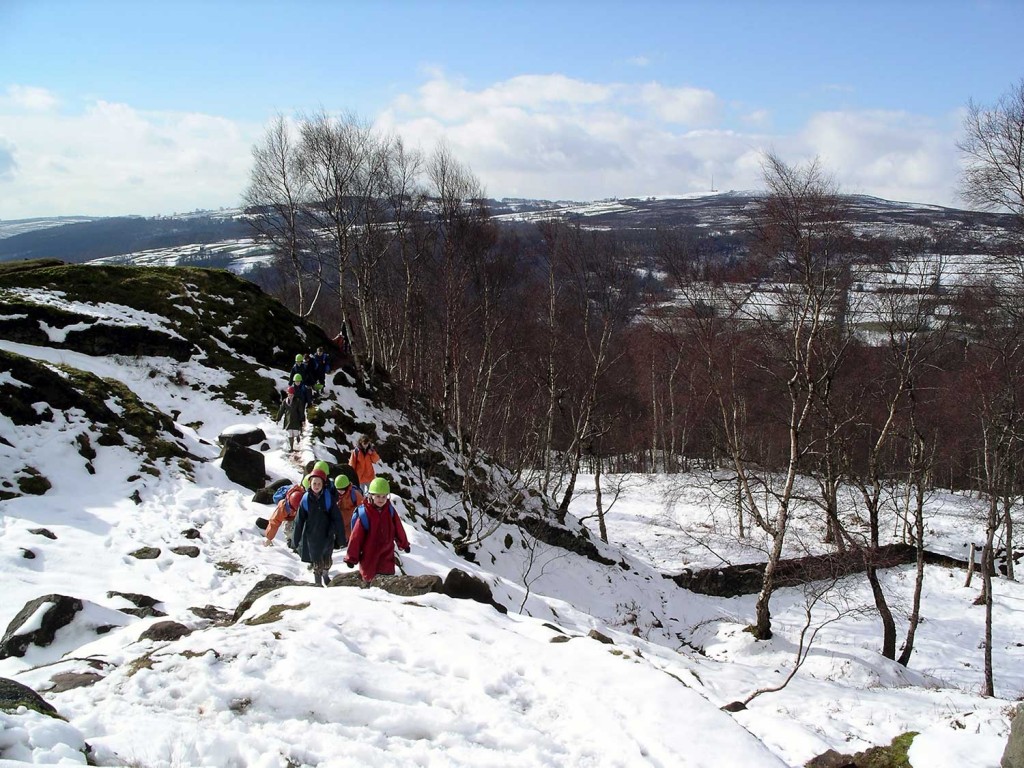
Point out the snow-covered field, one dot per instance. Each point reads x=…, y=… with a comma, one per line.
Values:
x=349, y=677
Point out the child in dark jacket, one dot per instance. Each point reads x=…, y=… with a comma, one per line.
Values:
x=318, y=527
x=293, y=411
x=372, y=543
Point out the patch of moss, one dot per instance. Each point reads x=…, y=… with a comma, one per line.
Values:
x=274, y=614
x=137, y=665
x=892, y=756
x=228, y=566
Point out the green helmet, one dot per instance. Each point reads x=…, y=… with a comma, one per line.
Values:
x=380, y=485
x=299, y=358
x=324, y=467
x=305, y=482
x=341, y=482
x=297, y=378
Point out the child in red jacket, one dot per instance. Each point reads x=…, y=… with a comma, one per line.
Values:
x=376, y=529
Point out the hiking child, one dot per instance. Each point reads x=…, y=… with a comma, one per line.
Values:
x=284, y=512
x=318, y=527
x=363, y=457
x=349, y=500
x=298, y=367
x=376, y=529
x=322, y=366
x=303, y=393
x=293, y=411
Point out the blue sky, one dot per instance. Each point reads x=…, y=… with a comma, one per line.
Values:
x=123, y=107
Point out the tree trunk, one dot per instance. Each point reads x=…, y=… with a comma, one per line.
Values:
x=888, y=624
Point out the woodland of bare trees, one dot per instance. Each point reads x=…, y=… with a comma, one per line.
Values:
x=556, y=350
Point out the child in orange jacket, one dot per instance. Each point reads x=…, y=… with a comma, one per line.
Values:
x=363, y=457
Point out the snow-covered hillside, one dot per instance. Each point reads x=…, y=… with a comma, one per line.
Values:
x=109, y=445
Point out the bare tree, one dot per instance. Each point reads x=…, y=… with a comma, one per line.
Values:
x=800, y=233
x=277, y=198
x=993, y=148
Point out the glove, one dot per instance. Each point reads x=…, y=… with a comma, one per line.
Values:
x=350, y=565
x=407, y=550
x=268, y=543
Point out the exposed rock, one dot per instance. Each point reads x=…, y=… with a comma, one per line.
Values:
x=832, y=759
x=144, y=604
x=146, y=553
x=165, y=631
x=601, y=638
x=462, y=586
x=212, y=613
x=746, y=578
x=186, y=551
x=407, y=586
x=59, y=613
x=66, y=681
x=242, y=438
x=562, y=537
x=734, y=706
x=244, y=466
x=262, y=587
x=28, y=554
x=1013, y=754
x=560, y=639
x=14, y=695
x=43, y=532
x=266, y=495
x=191, y=533
x=143, y=613
x=138, y=600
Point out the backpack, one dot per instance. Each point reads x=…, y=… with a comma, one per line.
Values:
x=364, y=519
x=330, y=499
x=281, y=493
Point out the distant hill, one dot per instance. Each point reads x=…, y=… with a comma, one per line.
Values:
x=225, y=239
x=84, y=241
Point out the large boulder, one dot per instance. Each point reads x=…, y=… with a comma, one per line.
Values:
x=14, y=695
x=462, y=586
x=37, y=623
x=244, y=466
x=244, y=436
x=1013, y=755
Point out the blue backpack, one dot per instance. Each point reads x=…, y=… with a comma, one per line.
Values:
x=364, y=518
x=331, y=498
x=281, y=492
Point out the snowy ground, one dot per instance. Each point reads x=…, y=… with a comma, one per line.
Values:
x=348, y=677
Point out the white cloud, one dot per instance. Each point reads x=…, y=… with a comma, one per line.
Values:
x=551, y=136
x=685, y=106
x=544, y=136
x=895, y=155
x=24, y=97
x=113, y=159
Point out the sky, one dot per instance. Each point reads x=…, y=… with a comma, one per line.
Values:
x=111, y=107
x=356, y=677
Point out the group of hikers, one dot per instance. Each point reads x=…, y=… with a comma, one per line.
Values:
x=306, y=381
x=321, y=516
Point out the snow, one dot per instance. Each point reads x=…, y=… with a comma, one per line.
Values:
x=356, y=677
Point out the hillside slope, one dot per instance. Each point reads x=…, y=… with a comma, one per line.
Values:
x=122, y=383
